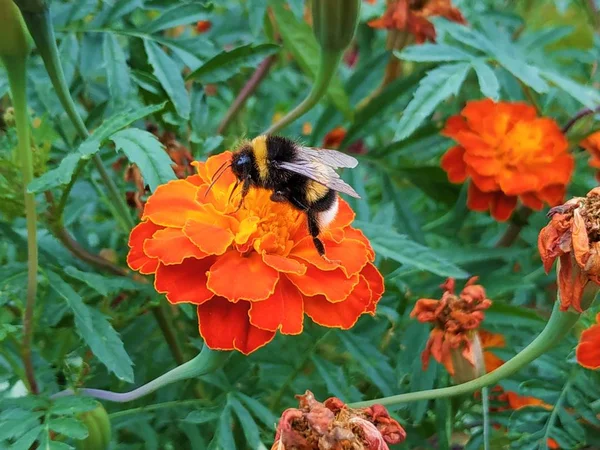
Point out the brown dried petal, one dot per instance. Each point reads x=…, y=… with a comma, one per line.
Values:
x=581, y=241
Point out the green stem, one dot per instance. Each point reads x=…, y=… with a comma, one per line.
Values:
x=558, y=406
x=205, y=362
x=40, y=27
x=327, y=69
x=178, y=404
x=557, y=327
x=16, y=68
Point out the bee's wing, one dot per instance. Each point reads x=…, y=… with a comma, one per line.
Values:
x=320, y=170
x=331, y=158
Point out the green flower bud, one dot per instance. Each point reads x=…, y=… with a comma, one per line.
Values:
x=334, y=22
x=98, y=425
x=14, y=39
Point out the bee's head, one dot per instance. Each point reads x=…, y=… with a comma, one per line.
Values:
x=241, y=163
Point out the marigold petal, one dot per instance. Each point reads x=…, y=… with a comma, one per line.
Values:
x=255, y=280
x=247, y=228
x=185, y=282
x=226, y=326
x=342, y=314
x=531, y=200
x=454, y=125
x=580, y=240
x=283, y=310
x=136, y=258
x=333, y=284
x=211, y=238
x=478, y=200
x=452, y=162
x=171, y=246
x=376, y=285
x=344, y=217
x=283, y=264
x=553, y=195
x=502, y=206
x=355, y=233
x=588, y=350
x=172, y=204
x=206, y=170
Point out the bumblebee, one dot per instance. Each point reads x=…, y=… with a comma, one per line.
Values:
x=304, y=177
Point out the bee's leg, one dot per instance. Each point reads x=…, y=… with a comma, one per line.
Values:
x=279, y=197
x=245, y=189
x=313, y=229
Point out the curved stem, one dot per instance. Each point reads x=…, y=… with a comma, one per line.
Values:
x=16, y=68
x=557, y=327
x=40, y=27
x=577, y=117
x=327, y=69
x=518, y=220
x=205, y=362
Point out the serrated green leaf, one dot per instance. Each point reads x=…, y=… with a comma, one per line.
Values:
x=223, y=438
x=259, y=410
x=228, y=63
x=146, y=151
x=68, y=406
x=585, y=95
x=26, y=441
x=179, y=14
x=96, y=331
x=488, y=82
x=300, y=41
x=103, y=284
x=439, y=84
x=249, y=427
x=56, y=177
x=203, y=415
x=166, y=71
x=68, y=426
x=117, y=71
x=256, y=15
x=389, y=244
x=429, y=52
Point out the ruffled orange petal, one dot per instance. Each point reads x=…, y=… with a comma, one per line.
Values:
x=186, y=282
x=376, y=285
x=478, y=200
x=334, y=285
x=452, y=162
x=238, y=277
x=354, y=233
x=588, y=350
x=531, y=200
x=344, y=217
x=342, y=314
x=226, y=326
x=284, y=265
x=171, y=246
x=350, y=255
x=282, y=311
x=502, y=206
x=211, y=238
x=172, y=204
x=136, y=258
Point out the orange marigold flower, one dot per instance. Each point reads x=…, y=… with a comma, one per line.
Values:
x=332, y=425
x=491, y=340
x=255, y=271
x=573, y=236
x=412, y=16
x=588, y=350
x=203, y=26
x=592, y=145
x=456, y=319
x=334, y=138
x=508, y=153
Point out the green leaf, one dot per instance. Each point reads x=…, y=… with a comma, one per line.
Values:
x=204, y=415
x=256, y=15
x=179, y=14
x=300, y=41
x=389, y=244
x=528, y=74
x=69, y=426
x=223, y=438
x=64, y=172
x=433, y=53
x=439, y=84
x=95, y=330
x=251, y=431
x=228, y=63
x=488, y=82
x=259, y=410
x=102, y=284
x=146, y=151
x=117, y=71
x=585, y=95
x=26, y=441
x=69, y=406
x=167, y=72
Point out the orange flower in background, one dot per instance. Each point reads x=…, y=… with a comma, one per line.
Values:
x=333, y=425
x=592, y=145
x=588, y=350
x=255, y=271
x=508, y=153
x=573, y=236
x=412, y=16
x=334, y=138
x=456, y=319
x=203, y=26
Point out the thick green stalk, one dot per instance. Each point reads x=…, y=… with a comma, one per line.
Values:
x=16, y=68
x=330, y=61
x=205, y=362
x=40, y=27
x=559, y=324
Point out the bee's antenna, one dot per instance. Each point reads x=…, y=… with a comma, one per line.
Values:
x=216, y=176
x=235, y=186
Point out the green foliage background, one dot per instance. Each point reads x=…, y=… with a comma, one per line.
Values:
x=125, y=65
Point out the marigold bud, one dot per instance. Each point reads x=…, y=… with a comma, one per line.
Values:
x=14, y=39
x=99, y=432
x=334, y=22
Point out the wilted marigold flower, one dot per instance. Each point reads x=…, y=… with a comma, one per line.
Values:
x=254, y=271
x=592, y=145
x=508, y=153
x=412, y=16
x=333, y=425
x=454, y=338
x=573, y=236
x=588, y=350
